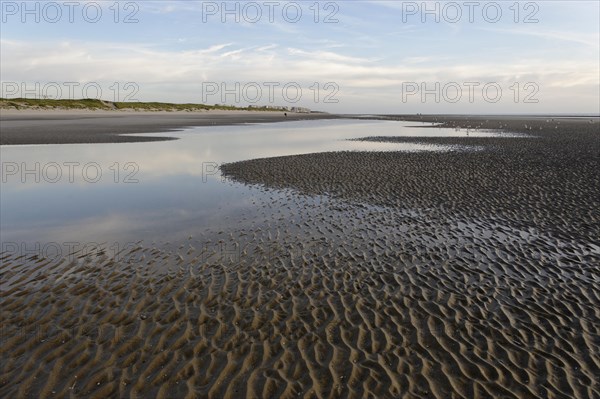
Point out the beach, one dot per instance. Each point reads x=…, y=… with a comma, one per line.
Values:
x=466, y=273
x=29, y=126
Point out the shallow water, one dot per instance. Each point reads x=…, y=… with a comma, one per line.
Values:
x=116, y=193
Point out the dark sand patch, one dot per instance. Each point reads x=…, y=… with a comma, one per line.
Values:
x=547, y=180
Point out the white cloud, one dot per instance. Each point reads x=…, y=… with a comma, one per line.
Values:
x=588, y=39
x=183, y=72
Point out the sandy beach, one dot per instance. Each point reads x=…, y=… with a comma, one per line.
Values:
x=459, y=274
x=86, y=126
x=300, y=199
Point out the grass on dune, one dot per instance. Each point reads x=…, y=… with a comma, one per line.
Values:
x=94, y=104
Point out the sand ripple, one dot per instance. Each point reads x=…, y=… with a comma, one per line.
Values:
x=383, y=317
x=320, y=296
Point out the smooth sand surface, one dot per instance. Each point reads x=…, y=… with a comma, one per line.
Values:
x=388, y=275
x=83, y=126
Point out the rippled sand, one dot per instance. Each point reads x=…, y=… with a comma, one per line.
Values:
x=330, y=290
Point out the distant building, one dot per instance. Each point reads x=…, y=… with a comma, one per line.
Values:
x=282, y=108
x=277, y=107
x=301, y=110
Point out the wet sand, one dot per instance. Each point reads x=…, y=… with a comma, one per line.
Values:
x=546, y=179
x=468, y=274
x=71, y=127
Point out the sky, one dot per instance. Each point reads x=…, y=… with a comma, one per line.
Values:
x=503, y=57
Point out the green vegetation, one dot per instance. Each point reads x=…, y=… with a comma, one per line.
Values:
x=92, y=104
x=25, y=103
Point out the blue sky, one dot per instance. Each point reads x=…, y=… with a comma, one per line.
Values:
x=370, y=56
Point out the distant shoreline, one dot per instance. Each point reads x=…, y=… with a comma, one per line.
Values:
x=88, y=104
x=23, y=127
x=34, y=125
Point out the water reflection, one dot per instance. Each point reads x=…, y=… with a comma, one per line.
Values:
x=162, y=190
